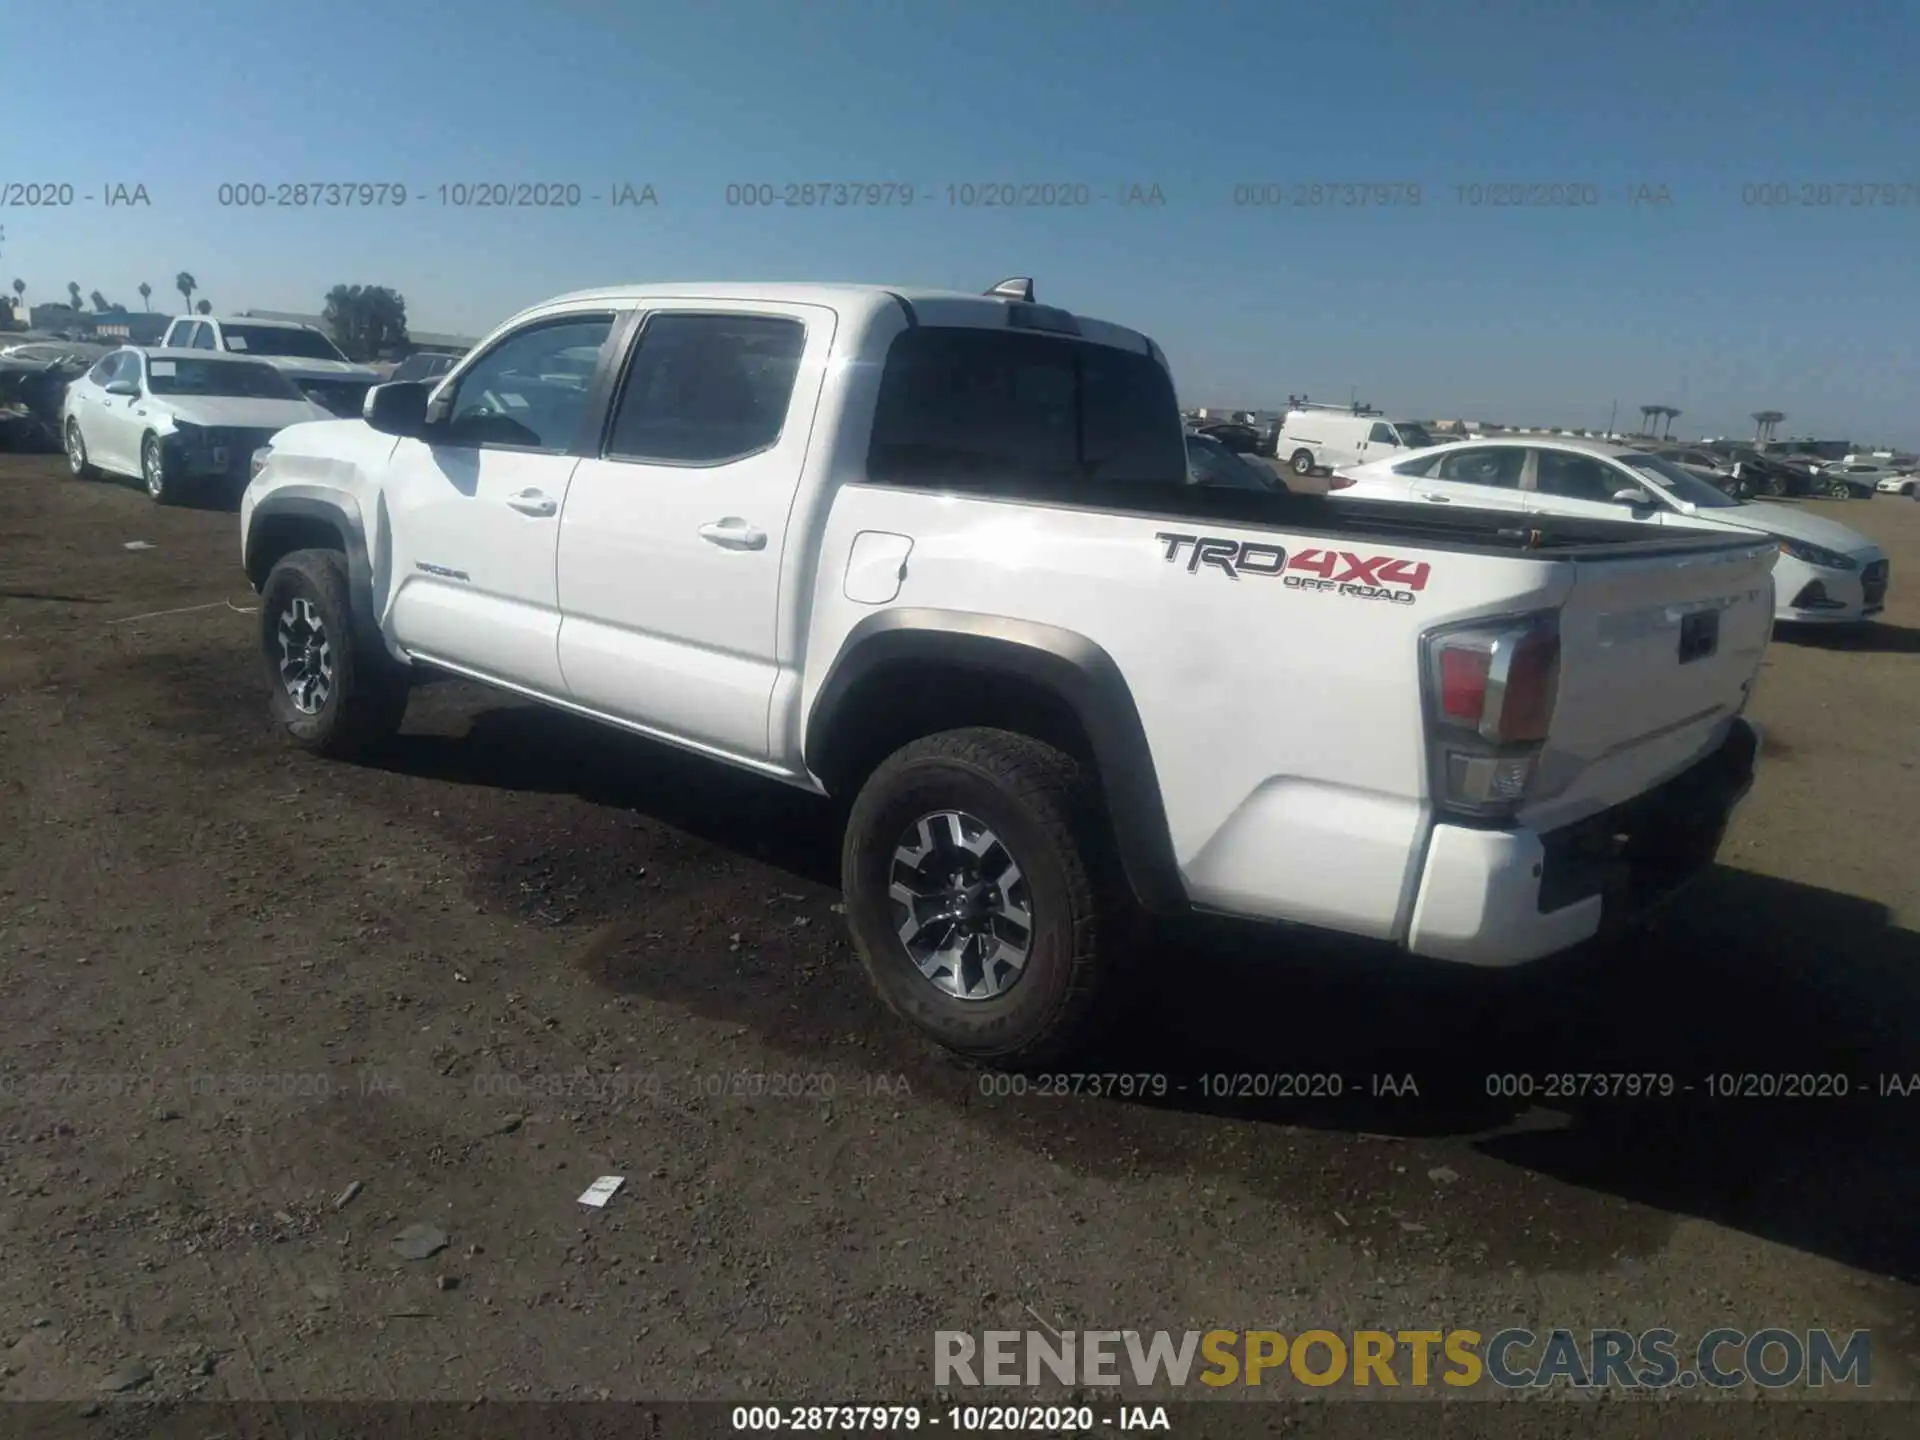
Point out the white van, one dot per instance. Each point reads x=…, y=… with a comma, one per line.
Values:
x=1325, y=439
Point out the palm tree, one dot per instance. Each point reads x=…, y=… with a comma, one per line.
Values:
x=205, y=307
x=19, y=292
x=1647, y=414
x=1672, y=415
x=186, y=285
x=73, y=292
x=146, y=293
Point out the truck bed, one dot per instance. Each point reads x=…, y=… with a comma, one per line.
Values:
x=1432, y=527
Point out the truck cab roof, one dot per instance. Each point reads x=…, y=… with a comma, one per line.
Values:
x=923, y=306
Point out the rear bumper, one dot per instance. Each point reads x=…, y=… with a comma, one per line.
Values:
x=1507, y=897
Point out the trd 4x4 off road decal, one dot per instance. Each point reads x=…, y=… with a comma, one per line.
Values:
x=1339, y=572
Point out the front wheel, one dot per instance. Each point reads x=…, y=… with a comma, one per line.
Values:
x=77, y=461
x=163, y=484
x=330, y=695
x=984, y=897
x=1839, y=490
x=1301, y=463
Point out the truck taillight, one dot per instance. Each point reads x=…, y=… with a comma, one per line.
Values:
x=1341, y=482
x=1463, y=683
x=1491, y=687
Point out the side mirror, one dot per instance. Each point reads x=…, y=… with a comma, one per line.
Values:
x=123, y=387
x=398, y=409
x=1638, y=499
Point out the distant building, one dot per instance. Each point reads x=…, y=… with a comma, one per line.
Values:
x=134, y=327
x=53, y=316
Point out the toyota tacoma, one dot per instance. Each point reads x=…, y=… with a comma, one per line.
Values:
x=938, y=554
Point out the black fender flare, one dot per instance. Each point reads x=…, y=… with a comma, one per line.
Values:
x=340, y=512
x=1067, y=665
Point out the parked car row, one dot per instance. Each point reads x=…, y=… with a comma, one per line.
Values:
x=1827, y=573
x=184, y=416
x=1320, y=439
x=948, y=557
x=300, y=352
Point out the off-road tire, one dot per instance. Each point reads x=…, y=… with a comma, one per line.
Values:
x=366, y=695
x=1045, y=806
x=1301, y=462
x=78, y=465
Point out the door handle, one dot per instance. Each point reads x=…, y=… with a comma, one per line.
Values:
x=1437, y=499
x=533, y=502
x=733, y=534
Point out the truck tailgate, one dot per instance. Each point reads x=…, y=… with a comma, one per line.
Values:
x=1657, y=655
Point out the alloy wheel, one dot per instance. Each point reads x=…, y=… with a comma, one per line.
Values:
x=306, y=656
x=153, y=469
x=960, y=905
x=76, y=448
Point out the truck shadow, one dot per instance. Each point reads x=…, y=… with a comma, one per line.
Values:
x=1343, y=1045
x=1875, y=639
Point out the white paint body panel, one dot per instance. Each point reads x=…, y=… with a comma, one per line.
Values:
x=670, y=574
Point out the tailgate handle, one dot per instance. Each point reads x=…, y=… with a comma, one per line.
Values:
x=1699, y=635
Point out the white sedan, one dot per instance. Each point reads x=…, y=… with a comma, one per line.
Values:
x=1905, y=483
x=178, y=420
x=1826, y=574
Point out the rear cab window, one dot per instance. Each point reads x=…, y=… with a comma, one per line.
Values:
x=1014, y=413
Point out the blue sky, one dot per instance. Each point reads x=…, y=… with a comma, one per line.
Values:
x=1708, y=302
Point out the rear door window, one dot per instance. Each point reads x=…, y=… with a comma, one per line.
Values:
x=1577, y=477
x=1498, y=466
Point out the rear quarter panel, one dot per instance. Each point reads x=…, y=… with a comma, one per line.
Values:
x=1283, y=714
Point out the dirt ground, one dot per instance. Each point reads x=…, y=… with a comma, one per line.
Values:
x=262, y=1013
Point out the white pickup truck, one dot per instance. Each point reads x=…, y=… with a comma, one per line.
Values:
x=937, y=553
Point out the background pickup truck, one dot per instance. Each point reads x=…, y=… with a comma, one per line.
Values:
x=937, y=553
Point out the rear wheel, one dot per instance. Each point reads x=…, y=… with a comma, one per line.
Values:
x=1839, y=490
x=77, y=461
x=330, y=695
x=984, y=895
x=1301, y=463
